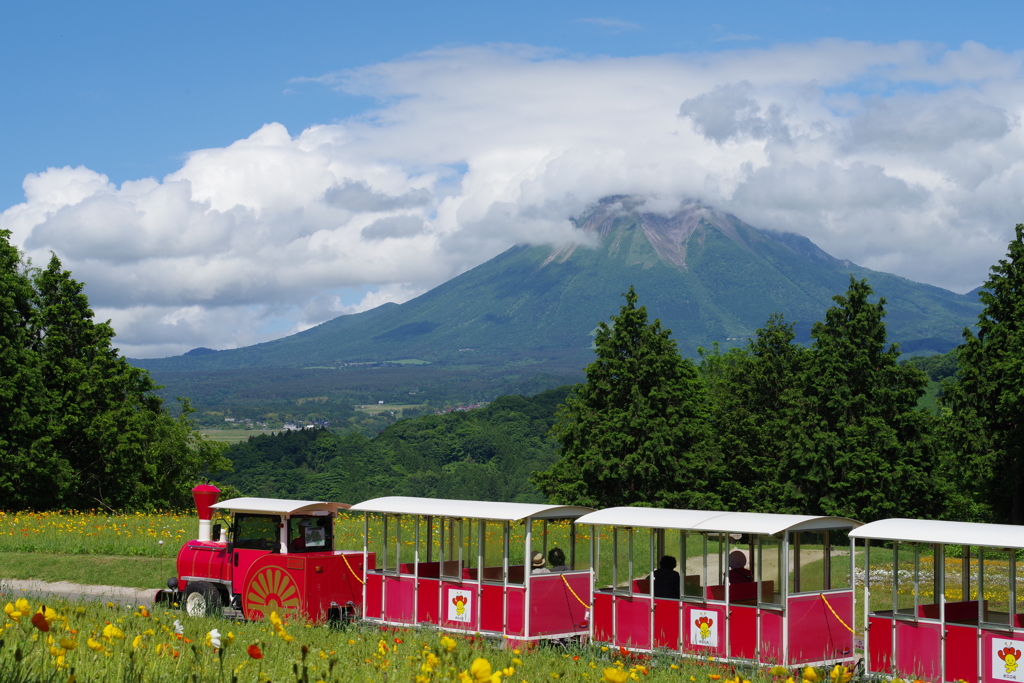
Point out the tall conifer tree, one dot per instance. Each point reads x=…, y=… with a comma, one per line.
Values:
x=986, y=404
x=637, y=432
x=857, y=444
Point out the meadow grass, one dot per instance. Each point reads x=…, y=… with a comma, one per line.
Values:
x=97, y=570
x=102, y=642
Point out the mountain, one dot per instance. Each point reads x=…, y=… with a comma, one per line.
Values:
x=707, y=275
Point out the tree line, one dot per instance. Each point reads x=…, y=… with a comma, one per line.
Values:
x=833, y=428
x=79, y=426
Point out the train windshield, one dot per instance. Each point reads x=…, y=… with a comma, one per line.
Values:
x=257, y=532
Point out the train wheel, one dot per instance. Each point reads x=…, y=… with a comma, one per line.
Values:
x=201, y=599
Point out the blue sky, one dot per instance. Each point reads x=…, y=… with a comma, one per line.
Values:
x=130, y=91
x=129, y=88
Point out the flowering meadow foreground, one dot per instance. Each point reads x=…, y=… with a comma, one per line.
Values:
x=77, y=643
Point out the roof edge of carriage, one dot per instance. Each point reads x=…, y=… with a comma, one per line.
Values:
x=278, y=506
x=947, y=533
x=715, y=520
x=473, y=509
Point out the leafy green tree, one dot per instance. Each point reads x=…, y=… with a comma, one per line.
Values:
x=80, y=427
x=637, y=433
x=748, y=391
x=857, y=445
x=985, y=406
x=27, y=470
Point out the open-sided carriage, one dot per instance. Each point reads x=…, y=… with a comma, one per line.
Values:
x=944, y=601
x=477, y=567
x=774, y=589
x=270, y=555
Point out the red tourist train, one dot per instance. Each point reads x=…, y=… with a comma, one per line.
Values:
x=941, y=601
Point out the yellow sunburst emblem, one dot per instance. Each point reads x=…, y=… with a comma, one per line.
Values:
x=272, y=589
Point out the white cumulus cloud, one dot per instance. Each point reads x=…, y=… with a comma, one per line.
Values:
x=903, y=157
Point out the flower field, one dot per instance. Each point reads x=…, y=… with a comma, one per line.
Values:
x=75, y=643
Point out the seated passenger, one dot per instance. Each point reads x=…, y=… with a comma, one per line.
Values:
x=538, y=564
x=738, y=572
x=557, y=559
x=666, y=579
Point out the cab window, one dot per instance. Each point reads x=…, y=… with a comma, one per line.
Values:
x=257, y=532
x=310, y=535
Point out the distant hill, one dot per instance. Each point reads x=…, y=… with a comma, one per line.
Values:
x=707, y=275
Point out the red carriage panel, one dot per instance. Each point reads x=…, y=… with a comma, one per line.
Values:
x=881, y=635
x=492, y=608
x=666, y=623
x=961, y=652
x=704, y=629
x=459, y=605
x=553, y=607
x=399, y=597
x=815, y=633
x=772, y=623
x=917, y=649
x=633, y=621
x=743, y=631
x=427, y=597
x=374, y=605
x=274, y=583
x=602, y=617
x=515, y=604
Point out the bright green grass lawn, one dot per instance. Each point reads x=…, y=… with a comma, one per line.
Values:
x=96, y=570
x=232, y=435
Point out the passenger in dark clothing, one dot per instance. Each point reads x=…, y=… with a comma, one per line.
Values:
x=738, y=572
x=557, y=559
x=666, y=579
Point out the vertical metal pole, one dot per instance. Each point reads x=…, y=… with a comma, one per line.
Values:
x=481, y=530
x=416, y=572
x=504, y=576
x=528, y=578
x=366, y=554
x=728, y=604
x=826, y=582
x=867, y=603
x=615, y=584
x=939, y=569
x=650, y=576
x=784, y=592
x=572, y=545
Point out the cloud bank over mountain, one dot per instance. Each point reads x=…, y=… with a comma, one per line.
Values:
x=904, y=157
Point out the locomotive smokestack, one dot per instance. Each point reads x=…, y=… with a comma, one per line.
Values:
x=205, y=495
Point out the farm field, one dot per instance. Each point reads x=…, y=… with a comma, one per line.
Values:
x=92, y=641
x=232, y=435
x=378, y=408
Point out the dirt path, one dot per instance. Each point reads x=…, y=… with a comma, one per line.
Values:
x=16, y=588
x=694, y=565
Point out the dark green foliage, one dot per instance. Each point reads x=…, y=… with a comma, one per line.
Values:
x=939, y=367
x=483, y=454
x=749, y=389
x=80, y=427
x=856, y=444
x=637, y=432
x=985, y=421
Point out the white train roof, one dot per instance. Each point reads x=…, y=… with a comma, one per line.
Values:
x=714, y=520
x=278, y=506
x=473, y=509
x=950, y=533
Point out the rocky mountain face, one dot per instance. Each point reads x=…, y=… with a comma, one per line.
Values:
x=706, y=275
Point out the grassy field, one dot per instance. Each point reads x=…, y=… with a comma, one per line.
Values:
x=232, y=435
x=378, y=408
x=98, y=570
x=94, y=642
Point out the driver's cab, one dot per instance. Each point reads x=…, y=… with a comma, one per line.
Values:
x=261, y=526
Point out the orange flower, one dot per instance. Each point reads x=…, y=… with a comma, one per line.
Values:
x=254, y=651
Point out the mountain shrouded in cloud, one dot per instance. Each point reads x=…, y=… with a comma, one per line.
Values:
x=906, y=158
x=708, y=277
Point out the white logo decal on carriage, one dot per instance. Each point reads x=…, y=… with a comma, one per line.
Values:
x=703, y=628
x=460, y=605
x=1006, y=656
